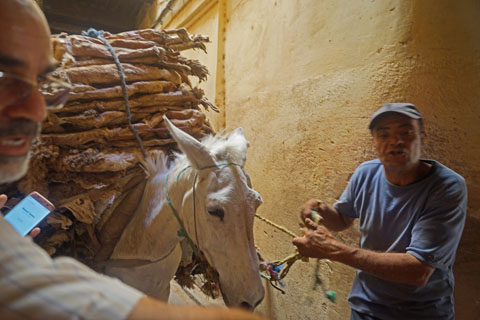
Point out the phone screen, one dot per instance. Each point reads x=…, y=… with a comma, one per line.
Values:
x=26, y=215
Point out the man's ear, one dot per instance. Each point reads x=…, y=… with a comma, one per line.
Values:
x=423, y=135
x=372, y=136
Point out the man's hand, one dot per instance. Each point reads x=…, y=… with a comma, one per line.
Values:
x=150, y=308
x=328, y=215
x=306, y=210
x=3, y=200
x=317, y=242
x=35, y=232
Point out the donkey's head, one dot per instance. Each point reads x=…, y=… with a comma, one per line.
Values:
x=218, y=209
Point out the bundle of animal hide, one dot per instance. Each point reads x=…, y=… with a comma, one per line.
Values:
x=86, y=160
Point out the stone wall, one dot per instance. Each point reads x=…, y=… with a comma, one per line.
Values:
x=302, y=77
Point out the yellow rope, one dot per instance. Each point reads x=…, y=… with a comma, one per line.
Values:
x=279, y=227
x=289, y=260
x=315, y=216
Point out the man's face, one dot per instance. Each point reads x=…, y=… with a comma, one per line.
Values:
x=24, y=52
x=398, y=140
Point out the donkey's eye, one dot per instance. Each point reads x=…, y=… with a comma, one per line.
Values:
x=217, y=213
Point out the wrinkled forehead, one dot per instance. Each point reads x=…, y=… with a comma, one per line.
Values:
x=24, y=38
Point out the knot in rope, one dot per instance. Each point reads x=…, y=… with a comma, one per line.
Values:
x=278, y=269
x=92, y=32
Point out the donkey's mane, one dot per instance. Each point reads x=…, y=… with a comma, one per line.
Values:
x=231, y=147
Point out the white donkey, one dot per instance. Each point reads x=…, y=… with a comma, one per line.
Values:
x=212, y=197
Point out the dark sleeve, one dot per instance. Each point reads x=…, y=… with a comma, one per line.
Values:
x=436, y=234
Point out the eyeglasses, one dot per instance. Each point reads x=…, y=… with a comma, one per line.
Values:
x=14, y=88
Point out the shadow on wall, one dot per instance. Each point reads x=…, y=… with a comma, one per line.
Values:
x=467, y=272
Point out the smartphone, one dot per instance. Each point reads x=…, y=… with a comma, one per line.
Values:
x=29, y=212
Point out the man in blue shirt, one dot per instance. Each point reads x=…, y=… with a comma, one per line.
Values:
x=411, y=215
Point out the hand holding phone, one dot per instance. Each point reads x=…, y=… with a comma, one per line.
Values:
x=29, y=212
x=35, y=231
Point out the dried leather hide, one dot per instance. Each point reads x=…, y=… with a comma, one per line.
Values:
x=86, y=160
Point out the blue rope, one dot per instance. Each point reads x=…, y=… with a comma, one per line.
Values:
x=92, y=32
x=99, y=35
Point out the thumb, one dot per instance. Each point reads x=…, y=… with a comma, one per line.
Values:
x=310, y=224
x=3, y=200
x=296, y=241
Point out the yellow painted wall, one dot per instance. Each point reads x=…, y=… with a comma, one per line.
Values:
x=302, y=77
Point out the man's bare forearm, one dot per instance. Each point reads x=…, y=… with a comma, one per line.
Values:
x=148, y=308
x=397, y=267
x=318, y=242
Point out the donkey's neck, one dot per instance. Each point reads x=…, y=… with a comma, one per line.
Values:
x=153, y=231
x=179, y=187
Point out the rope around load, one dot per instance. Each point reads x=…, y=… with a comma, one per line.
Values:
x=99, y=35
x=278, y=269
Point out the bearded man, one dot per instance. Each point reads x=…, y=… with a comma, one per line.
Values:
x=33, y=285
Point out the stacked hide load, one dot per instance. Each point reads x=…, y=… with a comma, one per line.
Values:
x=87, y=158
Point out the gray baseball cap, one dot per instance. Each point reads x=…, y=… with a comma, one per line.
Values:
x=406, y=109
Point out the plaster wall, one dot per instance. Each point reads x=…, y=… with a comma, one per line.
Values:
x=147, y=19
x=302, y=77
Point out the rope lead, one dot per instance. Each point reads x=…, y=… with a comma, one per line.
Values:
x=278, y=269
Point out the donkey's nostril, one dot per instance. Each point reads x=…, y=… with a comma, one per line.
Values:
x=246, y=305
x=258, y=302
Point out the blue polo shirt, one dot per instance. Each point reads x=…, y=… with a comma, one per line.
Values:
x=424, y=219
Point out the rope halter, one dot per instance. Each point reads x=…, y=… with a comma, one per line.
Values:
x=182, y=232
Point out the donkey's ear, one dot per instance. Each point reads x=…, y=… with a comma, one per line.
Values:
x=237, y=132
x=237, y=137
x=237, y=146
x=196, y=153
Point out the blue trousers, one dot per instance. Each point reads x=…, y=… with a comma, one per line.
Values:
x=355, y=315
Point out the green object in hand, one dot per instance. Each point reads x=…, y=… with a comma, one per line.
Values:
x=316, y=216
x=331, y=295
